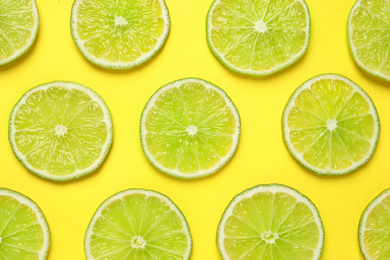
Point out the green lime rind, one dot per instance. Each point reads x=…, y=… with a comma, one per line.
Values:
x=201, y=173
x=363, y=219
x=273, y=187
x=78, y=173
x=353, y=49
x=249, y=72
x=119, y=65
x=23, y=199
x=286, y=131
x=34, y=34
x=119, y=196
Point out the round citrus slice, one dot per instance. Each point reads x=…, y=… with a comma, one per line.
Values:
x=258, y=38
x=138, y=224
x=270, y=222
x=374, y=228
x=119, y=34
x=61, y=130
x=24, y=233
x=330, y=125
x=189, y=128
x=19, y=22
x=368, y=36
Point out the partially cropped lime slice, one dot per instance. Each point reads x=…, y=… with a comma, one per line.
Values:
x=368, y=36
x=19, y=22
x=374, y=228
x=60, y=130
x=190, y=128
x=24, y=233
x=258, y=38
x=119, y=34
x=270, y=222
x=138, y=224
x=330, y=125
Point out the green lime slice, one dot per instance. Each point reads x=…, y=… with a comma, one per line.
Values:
x=368, y=36
x=270, y=222
x=189, y=128
x=60, y=130
x=138, y=224
x=19, y=22
x=24, y=233
x=258, y=38
x=119, y=34
x=374, y=228
x=330, y=125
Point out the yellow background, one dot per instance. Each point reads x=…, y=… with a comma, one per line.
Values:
x=261, y=156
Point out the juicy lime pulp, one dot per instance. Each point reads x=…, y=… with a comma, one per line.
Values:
x=270, y=222
x=19, y=22
x=60, y=130
x=374, y=228
x=119, y=34
x=258, y=38
x=24, y=230
x=330, y=125
x=189, y=128
x=138, y=224
x=368, y=36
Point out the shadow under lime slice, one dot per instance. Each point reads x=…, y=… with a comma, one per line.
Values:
x=272, y=222
x=189, y=128
x=330, y=125
x=24, y=233
x=138, y=224
x=61, y=130
x=119, y=34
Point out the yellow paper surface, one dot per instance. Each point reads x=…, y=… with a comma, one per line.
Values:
x=261, y=156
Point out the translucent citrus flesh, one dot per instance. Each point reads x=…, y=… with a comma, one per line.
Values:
x=138, y=227
x=332, y=125
x=259, y=35
x=370, y=24
x=190, y=128
x=271, y=225
x=376, y=236
x=60, y=130
x=17, y=20
x=21, y=236
x=119, y=30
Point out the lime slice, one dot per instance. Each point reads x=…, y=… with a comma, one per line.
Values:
x=138, y=224
x=60, y=130
x=190, y=128
x=368, y=36
x=258, y=38
x=374, y=228
x=330, y=125
x=19, y=22
x=270, y=222
x=24, y=233
x=119, y=34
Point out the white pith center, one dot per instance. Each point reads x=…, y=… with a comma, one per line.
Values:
x=119, y=20
x=191, y=129
x=332, y=124
x=261, y=27
x=138, y=242
x=60, y=130
x=269, y=237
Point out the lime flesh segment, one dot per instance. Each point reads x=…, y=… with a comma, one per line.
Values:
x=119, y=34
x=374, y=228
x=258, y=38
x=24, y=233
x=330, y=125
x=368, y=36
x=138, y=224
x=270, y=222
x=61, y=130
x=19, y=22
x=189, y=128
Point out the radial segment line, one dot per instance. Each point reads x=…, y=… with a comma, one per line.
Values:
x=286, y=216
x=351, y=117
x=296, y=227
x=180, y=151
x=168, y=116
x=51, y=153
x=248, y=251
x=370, y=43
x=257, y=210
x=280, y=251
x=373, y=14
x=16, y=26
x=345, y=103
x=239, y=42
x=143, y=215
x=111, y=238
x=114, y=225
x=150, y=253
x=384, y=61
x=210, y=146
x=8, y=41
x=156, y=223
x=253, y=50
x=314, y=142
x=167, y=234
x=114, y=252
x=196, y=151
x=246, y=223
x=127, y=215
x=78, y=114
x=237, y=13
x=345, y=147
x=183, y=104
x=19, y=248
x=355, y=134
x=295, y=244
x=20, y=230
x=166, y=250
x=9, y=219
x=208, y=118
x=318, y=101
